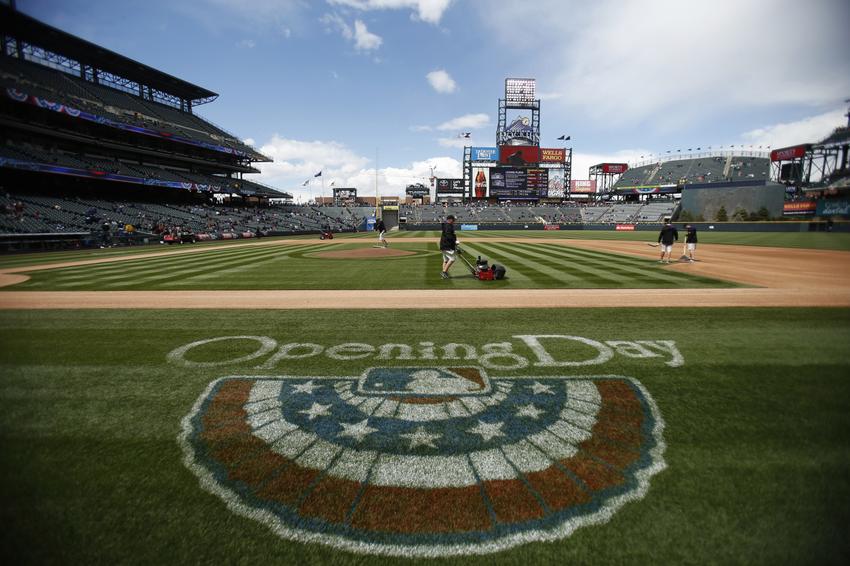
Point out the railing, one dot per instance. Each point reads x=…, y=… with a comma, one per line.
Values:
x=700, y=155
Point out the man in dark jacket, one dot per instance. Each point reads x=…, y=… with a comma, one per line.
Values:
x=666, y=237
x=381, y=228
x=691, y=241
x=448, y=245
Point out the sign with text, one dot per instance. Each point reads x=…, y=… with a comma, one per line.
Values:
x=485, y=154
x=450, y=186
x=553, y=155
x=583, y=186
x=615, y=168
x=518, y=183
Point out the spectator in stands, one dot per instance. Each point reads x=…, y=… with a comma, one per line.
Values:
x=448, y=245
x=666, y=237
x=381, y=228
x=691, y=241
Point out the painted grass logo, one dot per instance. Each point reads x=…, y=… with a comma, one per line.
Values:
x=424, y=461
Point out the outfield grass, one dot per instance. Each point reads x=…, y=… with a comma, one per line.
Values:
x=529, y=265
x=812, y=240
x=756, y=426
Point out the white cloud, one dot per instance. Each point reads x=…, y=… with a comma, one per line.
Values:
x=807, y=130
x=661, y=65
x=365, y=40
x=455, y=142
x=466, y=122
x=270, y=17
x=248, y=141
x=441, y=81
x=296, y=161
x=430, y=11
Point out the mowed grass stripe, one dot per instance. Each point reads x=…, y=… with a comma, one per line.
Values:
x=514, y=275
x=140, y=269
x=548, y=273
x=581, y=276
x=194, y=268
x=627, y=266
x=633, y=267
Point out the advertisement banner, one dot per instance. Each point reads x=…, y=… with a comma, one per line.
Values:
x=583, y=186
x=485, y=154
x=551, y=226
x=615, y=168
x=519, y=155
x=417, y=191
x=800, y=207
x=449, y=186
x=550, y=155
x=556, y=184
x=625, y=227
x=468, y=227
x=788, y=153
x=833, y=208
x=480, y=182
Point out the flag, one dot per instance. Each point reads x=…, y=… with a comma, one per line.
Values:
x=333, y=183
x=319, y=174
x=305, y=183
x=464, y=135
x=564, y=138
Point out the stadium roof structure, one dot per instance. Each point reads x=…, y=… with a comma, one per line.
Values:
x=17, y=26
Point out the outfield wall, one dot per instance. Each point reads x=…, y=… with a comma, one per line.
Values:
x=778, y=226
x=706, y=199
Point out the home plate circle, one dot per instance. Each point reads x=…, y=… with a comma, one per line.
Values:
x=424, y=461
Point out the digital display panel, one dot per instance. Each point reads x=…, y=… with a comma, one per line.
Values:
x=519, y=183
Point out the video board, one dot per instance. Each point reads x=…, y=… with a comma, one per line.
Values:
x=450, y=186
x=519, y=183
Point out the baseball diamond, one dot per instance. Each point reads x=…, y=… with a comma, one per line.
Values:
x=407, y=309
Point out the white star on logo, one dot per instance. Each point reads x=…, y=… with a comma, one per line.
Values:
x=316, y=410
x=539, y=388
x=529, y=411
x=307, y=387
x=421, y=437
x=488, y=431
x=357, y=431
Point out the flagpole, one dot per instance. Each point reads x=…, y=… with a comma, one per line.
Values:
x=376, y=183
x=323, y=185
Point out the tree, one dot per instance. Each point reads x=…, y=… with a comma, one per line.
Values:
x=686, y=216
x=721, y=215
x=763, y=213
x=739, y=214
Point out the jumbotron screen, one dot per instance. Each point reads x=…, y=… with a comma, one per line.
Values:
x=519, y=183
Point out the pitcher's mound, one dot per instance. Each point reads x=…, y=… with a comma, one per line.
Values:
x=367, y=253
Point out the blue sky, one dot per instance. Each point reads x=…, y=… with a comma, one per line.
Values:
x=321, y=84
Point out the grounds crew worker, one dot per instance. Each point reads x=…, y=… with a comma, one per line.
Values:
x=382, y=229
x=448, y=245
x=691, y=241
x=666, y=237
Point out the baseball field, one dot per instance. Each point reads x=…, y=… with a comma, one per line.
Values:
x=302, y=401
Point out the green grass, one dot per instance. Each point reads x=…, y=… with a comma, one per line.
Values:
x=812, y=240
x=529, y=265
x=756, y=426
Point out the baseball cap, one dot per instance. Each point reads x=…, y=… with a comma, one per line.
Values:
x=450, y=217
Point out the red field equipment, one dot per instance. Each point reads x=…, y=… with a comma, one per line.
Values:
x=326, y=235
x=481, y=270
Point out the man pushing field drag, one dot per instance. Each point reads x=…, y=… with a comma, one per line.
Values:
x=381, y=229
x=666, y=237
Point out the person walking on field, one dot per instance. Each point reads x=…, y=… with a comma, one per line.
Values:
x=666, y=237
x=382, y=229
x=448, y=245
x=691, y=241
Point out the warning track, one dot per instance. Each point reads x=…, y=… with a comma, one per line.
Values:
x=781, y=277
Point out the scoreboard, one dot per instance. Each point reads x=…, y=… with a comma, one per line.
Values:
x=517, y=183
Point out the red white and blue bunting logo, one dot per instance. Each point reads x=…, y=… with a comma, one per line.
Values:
x=425, y=461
